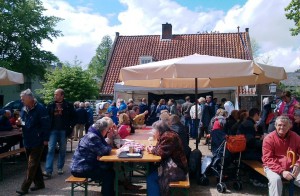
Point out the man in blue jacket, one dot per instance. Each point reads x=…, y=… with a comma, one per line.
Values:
x=85, y=161
x=35, y=124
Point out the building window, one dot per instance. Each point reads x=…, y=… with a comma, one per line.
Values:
x=145, y=59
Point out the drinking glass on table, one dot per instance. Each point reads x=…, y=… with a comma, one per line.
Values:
x=151, y=141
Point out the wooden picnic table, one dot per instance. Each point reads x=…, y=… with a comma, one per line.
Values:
x=14, y=132
x=141, y=136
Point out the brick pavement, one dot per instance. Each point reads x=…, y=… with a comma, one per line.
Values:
x=14, y=174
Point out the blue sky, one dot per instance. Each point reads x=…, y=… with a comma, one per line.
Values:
x=111, y=8
x=87, y=21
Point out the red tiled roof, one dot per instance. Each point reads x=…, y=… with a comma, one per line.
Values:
x=128, y=49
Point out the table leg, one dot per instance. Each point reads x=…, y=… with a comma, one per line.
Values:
x=117, y=179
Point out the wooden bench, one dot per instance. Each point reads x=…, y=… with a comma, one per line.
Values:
x=256, y=165
x=182, y=185
x=8, y=154
x=78, y=182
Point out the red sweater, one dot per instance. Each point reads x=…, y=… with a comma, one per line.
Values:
x=124, y=131
x=275, y=151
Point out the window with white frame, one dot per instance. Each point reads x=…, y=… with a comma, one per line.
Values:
x=145, y=59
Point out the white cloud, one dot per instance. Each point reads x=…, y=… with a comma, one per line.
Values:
x=146, y=17
x=83, y=30
x=269, y=28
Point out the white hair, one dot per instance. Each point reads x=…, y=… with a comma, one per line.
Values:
x=266, y=100
x=100, y=125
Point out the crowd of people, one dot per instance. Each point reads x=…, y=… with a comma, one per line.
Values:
x=269, y=133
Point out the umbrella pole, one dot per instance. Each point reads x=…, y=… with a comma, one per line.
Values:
x=196, y=110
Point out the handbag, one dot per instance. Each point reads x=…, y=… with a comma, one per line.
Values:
x=236, y=143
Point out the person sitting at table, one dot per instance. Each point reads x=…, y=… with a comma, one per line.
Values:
x=173, y=165
x=124, y=125
x=85, y=163
x=139, y=119
x=5, y=124
x=112, y=134
x=132, y=115
x=7, y=142
x=248, y=128
x=179, y=128
x=277, y=165
x=14, y=118
x=113, y=139
x=164, y=116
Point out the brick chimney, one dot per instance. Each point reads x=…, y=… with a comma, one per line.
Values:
x=166, y=31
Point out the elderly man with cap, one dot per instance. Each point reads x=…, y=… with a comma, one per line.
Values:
x=85, y=163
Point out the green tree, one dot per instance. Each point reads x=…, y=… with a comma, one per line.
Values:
x=293, y=13
x=77, y=84
x=23, y=27
x=98, y=62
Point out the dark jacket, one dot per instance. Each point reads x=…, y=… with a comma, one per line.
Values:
x=185, y=108
x=230, y=121
x=206, y=117
x=89, y=148
x=247, y=128
x=183, y=134
x=144, y=107
x=5, y=124
x=68, y=115
x=90, y=115
x=253, y=146
x=36, y=125
x=81, y=116
x=296, y=128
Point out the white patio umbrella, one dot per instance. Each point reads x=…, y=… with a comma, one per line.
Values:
x=200, y=71
x=209, y=71
x=8, y=77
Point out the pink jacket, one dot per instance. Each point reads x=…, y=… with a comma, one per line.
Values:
x=291, y=109
x=124, y=131
x=275, y=151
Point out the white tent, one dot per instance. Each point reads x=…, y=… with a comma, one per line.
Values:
x=8, y=77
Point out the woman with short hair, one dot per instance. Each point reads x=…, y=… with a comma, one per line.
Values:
x=173, y=165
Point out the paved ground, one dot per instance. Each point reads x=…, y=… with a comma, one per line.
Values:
x=14, y=174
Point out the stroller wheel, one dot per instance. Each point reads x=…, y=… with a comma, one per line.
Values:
x=204, y=181
x=237, y=186
x=221, y=187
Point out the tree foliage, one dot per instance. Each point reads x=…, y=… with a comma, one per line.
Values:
x=293, y=13
x=23, y=27
x=77, y=84
x=98, y=62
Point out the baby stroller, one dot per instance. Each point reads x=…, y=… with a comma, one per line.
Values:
x=223, y=149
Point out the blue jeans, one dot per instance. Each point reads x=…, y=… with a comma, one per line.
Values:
x=60, y=137
x=188, y=124
x=152, y=184
x=195, y=128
